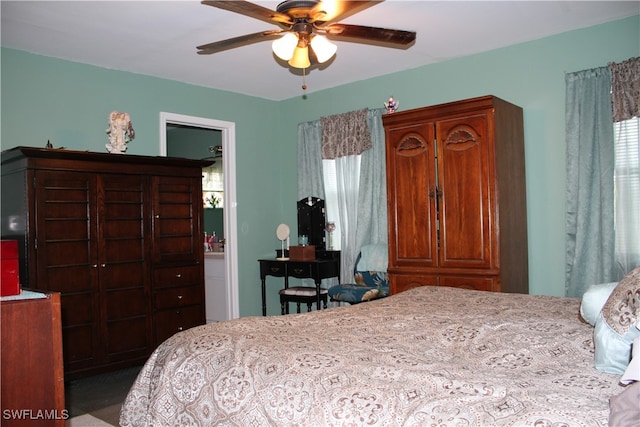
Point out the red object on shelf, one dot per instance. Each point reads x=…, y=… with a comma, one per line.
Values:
x=10, y=279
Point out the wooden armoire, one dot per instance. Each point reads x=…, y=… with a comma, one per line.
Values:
x=119, y=236
x=457, y=197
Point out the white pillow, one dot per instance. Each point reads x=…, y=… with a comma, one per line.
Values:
x=618, y=325
x=632, y=374
x=593, y=300
x=612, y=350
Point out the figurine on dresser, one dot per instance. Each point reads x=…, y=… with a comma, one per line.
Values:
x=120, y=132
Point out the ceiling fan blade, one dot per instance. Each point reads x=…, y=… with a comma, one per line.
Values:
x=374, y=34
x=209, y=48
x=328, y=11
x=250, y=9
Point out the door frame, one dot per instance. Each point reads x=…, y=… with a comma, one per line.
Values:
x=228, y=130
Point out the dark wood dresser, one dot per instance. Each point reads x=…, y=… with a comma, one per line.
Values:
x=119, y=236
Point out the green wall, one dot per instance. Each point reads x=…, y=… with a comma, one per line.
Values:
x=530, y=75
x=68, y=103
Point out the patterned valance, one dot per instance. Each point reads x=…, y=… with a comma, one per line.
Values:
x=345, y=134
x=625, y=85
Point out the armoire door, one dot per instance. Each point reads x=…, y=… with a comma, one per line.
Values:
x=124, y=265
x=66, y=251
x=177, y=211
x=464, y=171
x=412, y=196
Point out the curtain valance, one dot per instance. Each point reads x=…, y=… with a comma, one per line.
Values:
x=345, y=134
x=625, y=85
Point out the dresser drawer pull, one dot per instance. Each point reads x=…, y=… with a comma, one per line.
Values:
x=275, y=269
x=298, y=270
x=179, y=296
x=178, y=275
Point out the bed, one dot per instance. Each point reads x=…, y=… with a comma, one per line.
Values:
x=427, y=356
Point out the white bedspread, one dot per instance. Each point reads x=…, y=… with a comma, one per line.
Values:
x=428, y=356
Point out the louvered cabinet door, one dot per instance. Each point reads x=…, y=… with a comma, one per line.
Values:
x=177, y=212
x=124, y=267
x=67, y=259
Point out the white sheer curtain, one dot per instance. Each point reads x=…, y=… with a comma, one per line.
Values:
x=348, y=186
x=625, y=100
x=627, y=195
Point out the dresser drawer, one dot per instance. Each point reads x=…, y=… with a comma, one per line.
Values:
x=187, y=275
x=400, y=283
x=171, y=321
x=478, y=283
x=177, y=297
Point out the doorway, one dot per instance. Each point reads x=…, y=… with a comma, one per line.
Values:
x=228, y=143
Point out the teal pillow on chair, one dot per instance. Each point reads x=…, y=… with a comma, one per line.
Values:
x=369, y=284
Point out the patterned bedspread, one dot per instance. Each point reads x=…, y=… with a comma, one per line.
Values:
x=428, y=356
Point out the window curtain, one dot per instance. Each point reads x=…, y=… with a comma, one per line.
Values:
x=625, y=84
x=310, y=160
x=625, y=89
x=355, y=141
x=372, y=200
x=590, y=244
x=345, y=135
x=344, y=138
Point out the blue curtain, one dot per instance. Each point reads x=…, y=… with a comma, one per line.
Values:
x=371, y=224
x=590, y=239
x=310, y=160
x=372, y=199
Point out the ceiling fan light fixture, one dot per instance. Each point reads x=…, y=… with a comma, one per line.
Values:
x=285, y=46
x=323, y=48
x=300, y=57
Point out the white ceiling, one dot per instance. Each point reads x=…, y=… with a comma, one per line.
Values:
x=159, y=38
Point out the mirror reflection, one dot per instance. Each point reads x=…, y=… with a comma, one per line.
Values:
x=201, y=143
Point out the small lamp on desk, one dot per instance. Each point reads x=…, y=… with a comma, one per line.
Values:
x=283, y=234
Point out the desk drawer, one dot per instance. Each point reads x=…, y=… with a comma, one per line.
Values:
x=275, y=268
x=301, y=270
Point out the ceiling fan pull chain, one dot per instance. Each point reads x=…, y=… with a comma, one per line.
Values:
x=304, y=82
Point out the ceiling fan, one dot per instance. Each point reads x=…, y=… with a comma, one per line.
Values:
x=304, y=24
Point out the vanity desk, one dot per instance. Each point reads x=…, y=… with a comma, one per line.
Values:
x=326, y=265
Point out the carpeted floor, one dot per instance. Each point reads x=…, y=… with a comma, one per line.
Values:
x=96, y=401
